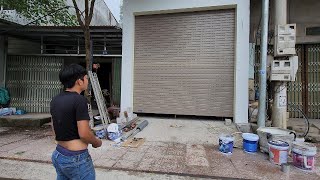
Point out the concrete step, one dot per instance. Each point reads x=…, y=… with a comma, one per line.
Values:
x=25, y=120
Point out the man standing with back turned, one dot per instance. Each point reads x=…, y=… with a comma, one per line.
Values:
x=69, y=111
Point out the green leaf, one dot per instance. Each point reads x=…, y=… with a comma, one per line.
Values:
x=42, y=12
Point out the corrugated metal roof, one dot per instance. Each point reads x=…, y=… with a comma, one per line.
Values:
x=17, y=28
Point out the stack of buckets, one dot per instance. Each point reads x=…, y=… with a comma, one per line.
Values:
x=303, y=154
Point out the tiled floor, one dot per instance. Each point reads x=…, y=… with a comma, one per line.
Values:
x=194, y=153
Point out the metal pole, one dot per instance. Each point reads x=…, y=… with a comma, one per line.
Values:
x=41, y=44
x=78, y=50
x=263, y=65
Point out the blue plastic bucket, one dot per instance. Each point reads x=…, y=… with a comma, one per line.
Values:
x=250, y=142
x=226, y=144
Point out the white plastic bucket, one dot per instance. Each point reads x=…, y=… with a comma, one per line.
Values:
x=226, y=144
x=278, y=152
x=303, y=155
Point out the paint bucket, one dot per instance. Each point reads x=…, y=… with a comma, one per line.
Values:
x=303, y=155
x=250, y=142
x=226, y=144
x=278, y=152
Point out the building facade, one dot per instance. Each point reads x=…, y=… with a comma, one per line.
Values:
x=186, y=57
x=32, y=56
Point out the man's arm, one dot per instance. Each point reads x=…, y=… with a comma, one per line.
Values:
x=86, y=134
x=54, y=133
x=52, y=128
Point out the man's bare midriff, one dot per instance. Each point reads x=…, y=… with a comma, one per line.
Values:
x=73, y=145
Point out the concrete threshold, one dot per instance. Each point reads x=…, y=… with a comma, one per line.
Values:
x=25, y=120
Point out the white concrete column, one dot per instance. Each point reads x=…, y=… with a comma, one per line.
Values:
x=279, y=108
x=280, y=13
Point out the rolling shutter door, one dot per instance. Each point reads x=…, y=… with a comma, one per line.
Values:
x=184, y=63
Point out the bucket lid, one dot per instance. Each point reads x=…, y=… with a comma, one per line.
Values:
x=304, y=148
x=250, y=136
x=279, y=143
x=226, y=137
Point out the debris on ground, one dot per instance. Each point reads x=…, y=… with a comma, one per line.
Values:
x=175, y=126
x=138, y=129
x=134, y=142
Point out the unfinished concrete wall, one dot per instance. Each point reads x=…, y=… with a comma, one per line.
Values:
x=102, y=15
x=303, y=13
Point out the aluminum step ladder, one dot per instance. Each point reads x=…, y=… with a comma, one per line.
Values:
x=100, y=100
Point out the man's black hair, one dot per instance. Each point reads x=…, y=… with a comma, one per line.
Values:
x=70, y=74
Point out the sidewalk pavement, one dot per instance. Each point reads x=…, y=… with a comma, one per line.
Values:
x=14, y=169
x=175, y=147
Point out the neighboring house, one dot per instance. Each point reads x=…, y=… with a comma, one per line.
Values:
x=3, y=53
x=102, y=14
x=32, y=57
x=304, y=93
x=186, y=57
x=115, y=7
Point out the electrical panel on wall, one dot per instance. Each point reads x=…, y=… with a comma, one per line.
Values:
x=285, y=40
x=284, y=70
x=280, y=70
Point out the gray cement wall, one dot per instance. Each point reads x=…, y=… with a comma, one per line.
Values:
x=102, y=16
x=303, y=13
x=3, y=56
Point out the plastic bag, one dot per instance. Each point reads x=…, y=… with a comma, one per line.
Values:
x=4, y=96
x=114, y=132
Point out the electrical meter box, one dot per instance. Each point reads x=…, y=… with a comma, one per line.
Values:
x=284, y=70
x=285, y=40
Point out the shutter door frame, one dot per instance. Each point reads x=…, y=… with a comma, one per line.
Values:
x=196, y=60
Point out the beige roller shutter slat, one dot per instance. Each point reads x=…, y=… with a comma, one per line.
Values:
x=184, y=63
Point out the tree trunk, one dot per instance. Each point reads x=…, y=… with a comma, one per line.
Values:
x=88, y=56
x=87, y=47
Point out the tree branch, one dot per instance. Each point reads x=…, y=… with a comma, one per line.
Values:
x=91, y=10
x=78, y=13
